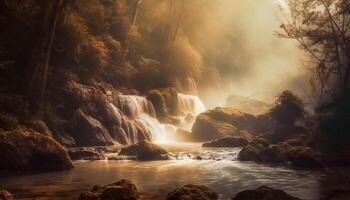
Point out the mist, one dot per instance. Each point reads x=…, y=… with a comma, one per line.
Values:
x=238, y=49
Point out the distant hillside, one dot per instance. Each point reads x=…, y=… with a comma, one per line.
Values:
x=247, y=105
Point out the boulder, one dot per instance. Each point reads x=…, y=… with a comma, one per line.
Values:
x=85, y=153
x=227, y=142
x=144, y=151
x=250, y=153
x=122, y=190
x=276, y=153
x=193, y=192
x=206, y=129
x=264, y=193
x=27, y=151
x=5, y=195
x=87, y=131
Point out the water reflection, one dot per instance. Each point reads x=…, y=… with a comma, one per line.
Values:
x=227, y=176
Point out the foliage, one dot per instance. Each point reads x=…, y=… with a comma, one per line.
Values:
x=287, y=109
x=334, y=120
x=321, y=28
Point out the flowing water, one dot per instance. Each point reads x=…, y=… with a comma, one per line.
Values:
x=217, y=168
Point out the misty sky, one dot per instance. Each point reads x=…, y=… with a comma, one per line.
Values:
x=238, y=50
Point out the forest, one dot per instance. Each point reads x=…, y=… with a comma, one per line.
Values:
x=175, y=99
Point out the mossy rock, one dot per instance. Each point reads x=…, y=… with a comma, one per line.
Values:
x=28, y=151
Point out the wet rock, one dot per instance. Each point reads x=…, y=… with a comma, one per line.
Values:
x=227, y=142
x=87, y=131
x=122, y=190
x=85, y=154
x=27, y=151
x=264, y=193
x=5, y=195
x=193, y=192
x=145, y=151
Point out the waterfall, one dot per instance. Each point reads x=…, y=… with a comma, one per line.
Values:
x=137, y=120
x=190, y=104
x=133, y=106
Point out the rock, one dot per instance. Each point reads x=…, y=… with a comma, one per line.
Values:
x=222, y=122
x=144, y=151
x=206, y=129
x=8, y=122
x=5, y=195
x=305, y=157
x=193, y=192
x=250, y=153
x=227, y=142
x=122, y=190
x=85, y=154
x=264, y=193
x=276, y=153
x=83, y=93
x=38, y=126
x=87, y=131
x=28, y=151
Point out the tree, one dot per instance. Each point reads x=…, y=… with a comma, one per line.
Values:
x=287, y=109
x=49, y=12
x=321, y=28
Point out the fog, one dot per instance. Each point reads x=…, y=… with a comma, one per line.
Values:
x=238, y=51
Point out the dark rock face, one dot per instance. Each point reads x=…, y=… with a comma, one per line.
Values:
x=223, y=122
x=8, y=122
x=85, y=154
x=87, y=131
x=193, y=192
x=227, y=142
x=144, y=151
x=23, y=150
x=264, y=193
x=38, y=126
x=5, y=195
x=122, y=190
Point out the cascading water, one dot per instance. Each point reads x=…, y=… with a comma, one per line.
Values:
x=137, y=118
x=189, y=106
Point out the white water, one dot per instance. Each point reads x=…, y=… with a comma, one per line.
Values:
x=136, y=118
x=190, y=107
x=190, y=104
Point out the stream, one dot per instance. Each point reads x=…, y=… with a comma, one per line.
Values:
x=218, y=169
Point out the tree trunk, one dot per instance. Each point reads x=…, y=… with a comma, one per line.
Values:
x=39, y=63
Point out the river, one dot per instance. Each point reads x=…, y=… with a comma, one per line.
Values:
x=217, y=168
